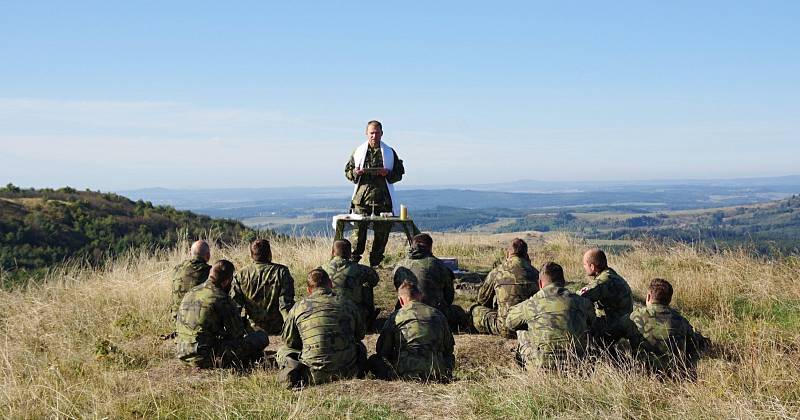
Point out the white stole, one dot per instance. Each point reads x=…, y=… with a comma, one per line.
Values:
x=388, y=163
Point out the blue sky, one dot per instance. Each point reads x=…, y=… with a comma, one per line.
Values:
x=106, y=95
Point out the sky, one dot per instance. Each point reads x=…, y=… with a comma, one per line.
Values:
x=124, y=95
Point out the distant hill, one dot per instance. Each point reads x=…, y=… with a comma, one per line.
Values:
x=39, y=228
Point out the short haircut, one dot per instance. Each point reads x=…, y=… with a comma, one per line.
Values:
x=519, y=247
x=342, y=248
x=318, y=278
x=422, y=239
x=260, y=250
x=554, y=272
x=409, y=290
x=221, y=270
x=375, y=123
x=597, y=257
x=660, y=291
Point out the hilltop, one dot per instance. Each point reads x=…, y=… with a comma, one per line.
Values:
x=41, y=228
x=84, y=343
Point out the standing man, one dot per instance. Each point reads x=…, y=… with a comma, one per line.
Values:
x=189, y=274
x=374, y=168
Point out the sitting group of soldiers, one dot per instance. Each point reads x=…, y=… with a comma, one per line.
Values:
x=223, y=318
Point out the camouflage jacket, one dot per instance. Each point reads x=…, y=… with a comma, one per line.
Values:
x=350, y=279
x=416, y=340
x=611, y=295
x=185, y=276
x=266, y=292
x=326, y=329
x=507, y=285
x=372, y=188
x=434, y=279
x=557, y=320
x=207, y=315
x=663, y=338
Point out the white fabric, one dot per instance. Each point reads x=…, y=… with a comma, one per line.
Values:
x=388, y=163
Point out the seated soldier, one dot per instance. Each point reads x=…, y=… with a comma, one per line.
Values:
x=353, y=280
x=611, y=296
x=189, y=274
x=507, y=285
x=663, y=339
x=264, y=289
x=210, y=329
x=415, y=342
x=557, y=323
x=433, y=278
x=322, y=337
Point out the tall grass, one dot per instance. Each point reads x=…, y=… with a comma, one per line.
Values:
x=84, y=343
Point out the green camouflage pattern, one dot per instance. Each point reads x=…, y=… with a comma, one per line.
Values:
x=324, y=332
x=416, y=343
x=266, y=292
x=613, y=301
x=514, y=281
x=210, y=330
x=433, y=278
x=371, y=190
x=356, y=282
x=557, y=323
x=664, y=339
x=186, y=276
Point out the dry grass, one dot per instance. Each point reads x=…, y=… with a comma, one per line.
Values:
x=85, y=344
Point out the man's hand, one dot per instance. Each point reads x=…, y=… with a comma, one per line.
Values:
x=359, y=172
x=383, y=172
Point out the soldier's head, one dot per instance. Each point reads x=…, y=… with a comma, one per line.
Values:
x=408, y=292
x=222, y=274
x=374, y=133
x=260, y=251
x=318, y=279
x=422, y=242
x=518, y=248
x=342, y=248
x=201, y=249
x=660, y=291
x=594, y=262
x=551, y=273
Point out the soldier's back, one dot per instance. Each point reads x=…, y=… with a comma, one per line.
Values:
x=669, y=335
x=349, y=278
x=426, y=351
x=201, y=321
x=431, y=276
x=611, y=293
x=185, y=276
x=515, y=281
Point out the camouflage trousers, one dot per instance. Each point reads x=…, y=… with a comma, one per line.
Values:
x=487, y=321
x=271, y=326
x=239, y=353
x=553, y=357
x=379, y=241
x=296, y=374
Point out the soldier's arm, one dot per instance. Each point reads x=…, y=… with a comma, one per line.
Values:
x=286, y=298
x=235, y=326
x=397, y=171
x=448, y=344
x=388, y=345
x=349, y=170
x=517, y=318
x=486, y=292
x=360, y=327
x=291, y=334
x=372, y=278
x=449, y=289
x=594, y=291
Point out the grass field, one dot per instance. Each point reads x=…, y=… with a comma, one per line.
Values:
x=84, y=344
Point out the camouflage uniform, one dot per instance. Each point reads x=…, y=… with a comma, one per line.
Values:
x=435, y=280
x=557, y=323
x=613, y=301
x=507, y=285
x=664, y=340
x=211, y=332
x=266, y=292
x=372, y=189
x=185, y=276
x=355, y=281
x=415, y=343
x=322, y=340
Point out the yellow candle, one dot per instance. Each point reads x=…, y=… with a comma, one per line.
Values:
x=403, y=212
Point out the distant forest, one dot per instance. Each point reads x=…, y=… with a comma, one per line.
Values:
x=40, y=228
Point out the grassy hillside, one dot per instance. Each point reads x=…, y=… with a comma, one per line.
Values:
x=85, y=344
x=40, y=228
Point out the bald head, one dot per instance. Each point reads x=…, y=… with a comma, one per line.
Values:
x=201, y=249
x=342, y=248
x=594, y=261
